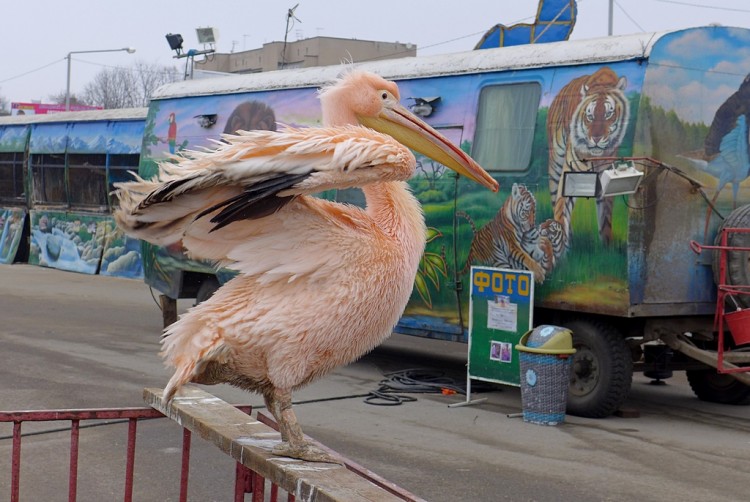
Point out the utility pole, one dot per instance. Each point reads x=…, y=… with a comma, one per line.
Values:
x=611, y=17
x=289, y=17
x=129, y=50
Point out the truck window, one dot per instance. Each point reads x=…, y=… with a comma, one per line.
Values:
x=11, y=177
x=120, y=168
x=505, y=126
x=48, y=178
x=87, y=178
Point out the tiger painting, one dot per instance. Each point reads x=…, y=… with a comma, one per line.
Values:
x=503, y=242
x=587, y=119
x=552, y=241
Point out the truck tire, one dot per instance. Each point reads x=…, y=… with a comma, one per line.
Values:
x=709, y=385
x=738, y=262
x=602, y=369
x=207, y=289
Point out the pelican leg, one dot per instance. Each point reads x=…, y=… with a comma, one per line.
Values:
x=273, y=406
x=294, y=445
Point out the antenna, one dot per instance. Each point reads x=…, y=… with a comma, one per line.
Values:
x=290, y=17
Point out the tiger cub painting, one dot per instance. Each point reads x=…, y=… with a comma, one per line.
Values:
x=512, y=239
x=587, y=119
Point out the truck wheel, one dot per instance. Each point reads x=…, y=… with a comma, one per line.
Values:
x=738, y=262
x=207, y=289
x=602, y=369
x=708, y=385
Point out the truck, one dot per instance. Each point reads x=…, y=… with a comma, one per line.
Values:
x=612, y=154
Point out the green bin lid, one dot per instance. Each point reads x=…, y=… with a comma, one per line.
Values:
x=547, y=339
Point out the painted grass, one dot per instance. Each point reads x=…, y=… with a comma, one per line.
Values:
x=589, y=272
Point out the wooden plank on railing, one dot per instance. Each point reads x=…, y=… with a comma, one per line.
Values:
x=250, y=442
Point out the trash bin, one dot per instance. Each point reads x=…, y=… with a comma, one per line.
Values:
x=545, y=357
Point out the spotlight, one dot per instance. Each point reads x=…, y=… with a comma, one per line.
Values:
x=175, y=42
x=580, y=184
x=206, y=36
x=621, y=179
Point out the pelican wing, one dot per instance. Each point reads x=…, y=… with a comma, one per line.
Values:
x=308, y=237
x=253, y=174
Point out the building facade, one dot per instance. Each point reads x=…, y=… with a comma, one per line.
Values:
x=317, y=51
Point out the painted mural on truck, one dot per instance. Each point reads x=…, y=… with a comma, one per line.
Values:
x=70, y=225
x=588, y=112
x=180, y=125
x=13, y=140
x=527, y=128
x=695, y=100
x=66, y=242
x=11, y=231
x=516, y=230
x=704, y=112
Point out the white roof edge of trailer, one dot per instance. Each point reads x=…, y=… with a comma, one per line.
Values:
x=572, y=52
x=81, y=116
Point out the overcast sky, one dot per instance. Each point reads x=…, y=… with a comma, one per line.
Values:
x=40, y=33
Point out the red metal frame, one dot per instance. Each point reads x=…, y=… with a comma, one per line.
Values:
x=133, y=415
x=246, y=480
x=724, y=290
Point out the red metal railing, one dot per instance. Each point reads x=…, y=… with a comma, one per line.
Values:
x=245, y=479
x=725, y=290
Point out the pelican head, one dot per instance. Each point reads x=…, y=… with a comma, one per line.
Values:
x=364, y=98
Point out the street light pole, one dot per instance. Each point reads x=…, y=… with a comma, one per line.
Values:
x=129, y=50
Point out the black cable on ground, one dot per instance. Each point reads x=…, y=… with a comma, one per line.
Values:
x=415, y=381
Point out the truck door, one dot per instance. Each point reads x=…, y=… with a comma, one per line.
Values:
x=434, y=308
x=502, y=229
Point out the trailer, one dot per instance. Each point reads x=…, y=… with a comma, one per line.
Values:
x=612, y=156
x=56, y=174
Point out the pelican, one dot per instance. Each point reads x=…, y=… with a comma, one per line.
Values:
x=320, y=283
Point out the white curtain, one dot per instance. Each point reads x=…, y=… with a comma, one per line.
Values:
x=505, y=126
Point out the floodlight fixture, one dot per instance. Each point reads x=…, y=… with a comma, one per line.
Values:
x=175, y=42
x=580, y=184
x=206, y=36
x=621, y=179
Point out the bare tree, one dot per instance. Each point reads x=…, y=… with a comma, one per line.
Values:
x=59, y=98
x=127, y=87
x=112, y=88
x=151, y=76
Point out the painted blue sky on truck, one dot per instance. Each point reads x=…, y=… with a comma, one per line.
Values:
x=686, y=75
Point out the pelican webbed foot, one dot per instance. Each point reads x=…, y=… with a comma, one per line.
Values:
x=305, y=451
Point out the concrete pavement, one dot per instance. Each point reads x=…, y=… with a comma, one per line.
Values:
x=73, y=341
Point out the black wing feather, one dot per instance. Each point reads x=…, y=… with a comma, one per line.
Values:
x=256, y=201
x=165, y=193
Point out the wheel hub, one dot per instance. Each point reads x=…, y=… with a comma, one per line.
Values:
x=585, y=372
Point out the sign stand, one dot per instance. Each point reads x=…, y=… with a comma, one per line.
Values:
x=501, y=310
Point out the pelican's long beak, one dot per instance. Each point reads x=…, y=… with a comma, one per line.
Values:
x=409, y=130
